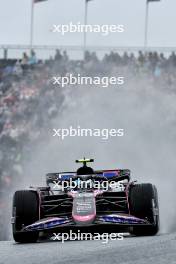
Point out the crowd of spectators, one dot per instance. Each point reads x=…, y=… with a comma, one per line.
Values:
x=157, y=68
x=29, y=101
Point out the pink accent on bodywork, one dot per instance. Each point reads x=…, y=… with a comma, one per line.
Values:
x=97, y=192
x=127, y=192
x=72, y=194
x=84, y=218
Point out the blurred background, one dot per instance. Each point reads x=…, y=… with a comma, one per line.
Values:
x=31, y=106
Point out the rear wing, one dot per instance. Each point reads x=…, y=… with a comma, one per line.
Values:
x=116, y=174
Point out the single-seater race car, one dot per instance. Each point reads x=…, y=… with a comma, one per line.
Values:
x=85, y=199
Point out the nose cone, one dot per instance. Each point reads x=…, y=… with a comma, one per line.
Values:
x=84, y=209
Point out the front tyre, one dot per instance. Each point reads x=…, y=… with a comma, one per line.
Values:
x=25, y=212
x=143, y=199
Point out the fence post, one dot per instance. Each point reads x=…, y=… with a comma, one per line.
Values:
x=5, y=53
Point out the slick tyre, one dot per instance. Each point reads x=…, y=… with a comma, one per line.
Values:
x=25, y=212
x=143, y=201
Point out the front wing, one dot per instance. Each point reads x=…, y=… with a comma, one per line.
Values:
x=112, y=219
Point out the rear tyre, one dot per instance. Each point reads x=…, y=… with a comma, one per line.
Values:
x=25, y=212
x=143, y=201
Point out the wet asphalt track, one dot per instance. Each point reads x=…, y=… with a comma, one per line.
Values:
x=132, y=250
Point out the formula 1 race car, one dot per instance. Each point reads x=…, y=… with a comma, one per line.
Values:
x=85, y=199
